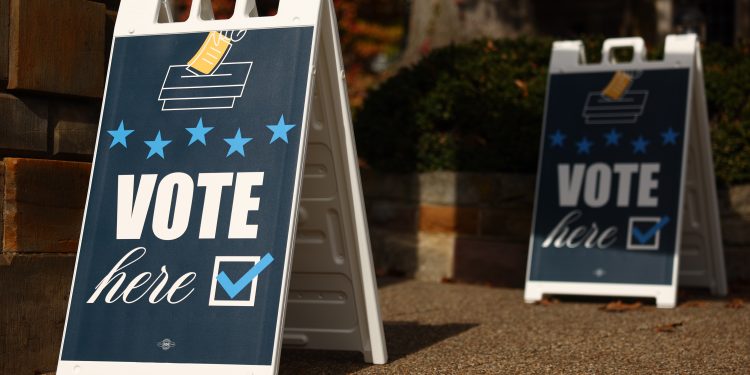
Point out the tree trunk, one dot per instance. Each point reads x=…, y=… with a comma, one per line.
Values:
x=437, y=23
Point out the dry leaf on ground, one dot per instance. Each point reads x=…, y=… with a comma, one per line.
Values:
x=448, y=280
x=619, y=306
x=696, y=303
x=671, y=327
x=547, y=301
x=736, y=303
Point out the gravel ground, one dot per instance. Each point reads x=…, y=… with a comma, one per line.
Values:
x=435, y=328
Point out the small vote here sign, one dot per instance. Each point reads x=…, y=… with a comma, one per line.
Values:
x=608, y=198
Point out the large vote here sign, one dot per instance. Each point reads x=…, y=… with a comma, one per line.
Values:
x=185, y=259
x=187, y=228
x=612, y=176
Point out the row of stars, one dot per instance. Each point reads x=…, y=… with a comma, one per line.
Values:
x=583, y=146
x=198, y=134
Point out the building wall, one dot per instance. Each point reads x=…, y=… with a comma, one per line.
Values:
x=53, y=58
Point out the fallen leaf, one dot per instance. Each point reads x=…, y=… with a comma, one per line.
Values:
x=490, y=46
x=671, y=327
x=448, y=280
x=697, y=303
x=547, y=301
x=523, y=86
x=736, y=303
x=619, y=306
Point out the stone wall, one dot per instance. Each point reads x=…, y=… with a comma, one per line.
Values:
x=476, y=227
x=53, y=59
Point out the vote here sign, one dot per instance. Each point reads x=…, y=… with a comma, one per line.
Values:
x=611, y=168
x=187, y=228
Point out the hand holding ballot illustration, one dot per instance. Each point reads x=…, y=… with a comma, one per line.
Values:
x=617, y=103
x=618, y=86
x=209, y=80
x=214, y=50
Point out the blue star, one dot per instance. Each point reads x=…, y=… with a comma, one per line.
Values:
x=557, y=138
x=584, y=146
x=237, y=144
x=157, y=146
x=199, y=133
x=280, y=130
x=613, y=138
x=669, y=137
x=639, y=145
x=119, y=136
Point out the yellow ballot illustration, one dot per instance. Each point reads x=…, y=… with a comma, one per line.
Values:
x=212, y=81
x=618, y=86
x=211, y=54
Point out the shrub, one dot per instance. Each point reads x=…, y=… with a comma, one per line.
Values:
x=727, y=76
x=457, y=108
x=479, y=107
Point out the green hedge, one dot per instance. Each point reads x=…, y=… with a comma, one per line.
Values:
x=479, y=107
x=727, y=76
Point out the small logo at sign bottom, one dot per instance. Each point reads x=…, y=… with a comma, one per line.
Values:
x=166, y=344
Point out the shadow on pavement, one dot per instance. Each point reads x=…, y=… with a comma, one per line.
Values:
x=385, y=281
x=403, y=339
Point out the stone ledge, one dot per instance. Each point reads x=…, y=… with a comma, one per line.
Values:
x=451, y=188
x=412, y=215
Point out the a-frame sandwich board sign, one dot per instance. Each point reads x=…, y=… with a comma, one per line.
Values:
x=626, y=198
x=215, y=136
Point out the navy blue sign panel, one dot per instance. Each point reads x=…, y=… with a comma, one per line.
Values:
x=186, y=231
x=608, y=198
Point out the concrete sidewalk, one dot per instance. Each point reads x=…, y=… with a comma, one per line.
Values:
x=436, y=328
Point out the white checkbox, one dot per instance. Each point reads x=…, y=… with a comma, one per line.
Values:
x=648, y=246
x=215, y=284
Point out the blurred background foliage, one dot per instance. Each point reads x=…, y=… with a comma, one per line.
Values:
x=469, y=107
x=727, y=77
x=479, y=107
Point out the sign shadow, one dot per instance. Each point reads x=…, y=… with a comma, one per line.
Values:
x=403, y=339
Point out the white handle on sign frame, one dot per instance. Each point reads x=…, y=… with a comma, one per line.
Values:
x=569, y=56
x=203, y=10
x=142, y=17
x=636, y=43
x=245, y=8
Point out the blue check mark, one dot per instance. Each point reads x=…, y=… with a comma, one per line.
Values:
x=645, y=237
x=233, y=289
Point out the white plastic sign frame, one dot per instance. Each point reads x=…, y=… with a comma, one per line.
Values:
x=332, y=279
x=698, y=256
